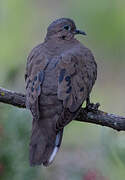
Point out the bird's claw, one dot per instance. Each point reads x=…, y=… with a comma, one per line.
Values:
x=92, y=107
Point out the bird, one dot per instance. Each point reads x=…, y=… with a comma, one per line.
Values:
x=60, y=74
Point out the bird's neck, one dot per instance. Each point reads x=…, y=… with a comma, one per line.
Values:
x=57, y=47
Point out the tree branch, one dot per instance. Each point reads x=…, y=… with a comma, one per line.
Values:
x=96, y=117
x=13, y=98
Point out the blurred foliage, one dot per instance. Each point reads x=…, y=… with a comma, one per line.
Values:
x=88, y=151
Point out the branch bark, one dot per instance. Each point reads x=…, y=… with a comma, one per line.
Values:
x=96, y=117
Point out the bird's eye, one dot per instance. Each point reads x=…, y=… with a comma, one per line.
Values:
x=67, y=27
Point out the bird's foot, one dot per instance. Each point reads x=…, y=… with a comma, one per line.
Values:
x=92, y=107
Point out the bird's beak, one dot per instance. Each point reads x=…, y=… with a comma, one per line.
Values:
x=79, y=32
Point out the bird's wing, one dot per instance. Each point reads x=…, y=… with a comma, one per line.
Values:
x=36, y=64
x=77, y=74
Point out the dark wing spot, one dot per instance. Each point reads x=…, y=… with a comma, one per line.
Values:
x=69, y=90
x=56, y=63
x=32, y=89
x=82, y=89
x=38, y=88
x=41, y=76
x=35, y=78
x=67, y=78
x=33, y=83
x=25, y=76
x=76, y=98
x=28, y=83
x=61, y=76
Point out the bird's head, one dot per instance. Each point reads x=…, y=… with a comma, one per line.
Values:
x=63, y=29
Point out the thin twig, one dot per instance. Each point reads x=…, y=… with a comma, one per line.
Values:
x=96, y=117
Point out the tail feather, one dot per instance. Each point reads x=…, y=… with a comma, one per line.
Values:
x=37, y=148
x=57, y=146
x=44, y=146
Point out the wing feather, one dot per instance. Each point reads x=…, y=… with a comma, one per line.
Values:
x=36, y=64
x=77, y=74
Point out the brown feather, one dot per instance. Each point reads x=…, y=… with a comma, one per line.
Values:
x=76, y=76
x=60, y=74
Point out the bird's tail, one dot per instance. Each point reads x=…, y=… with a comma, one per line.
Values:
x=43, y=145
x=57, y=146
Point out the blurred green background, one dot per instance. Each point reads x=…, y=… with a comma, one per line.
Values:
x=88, y=152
